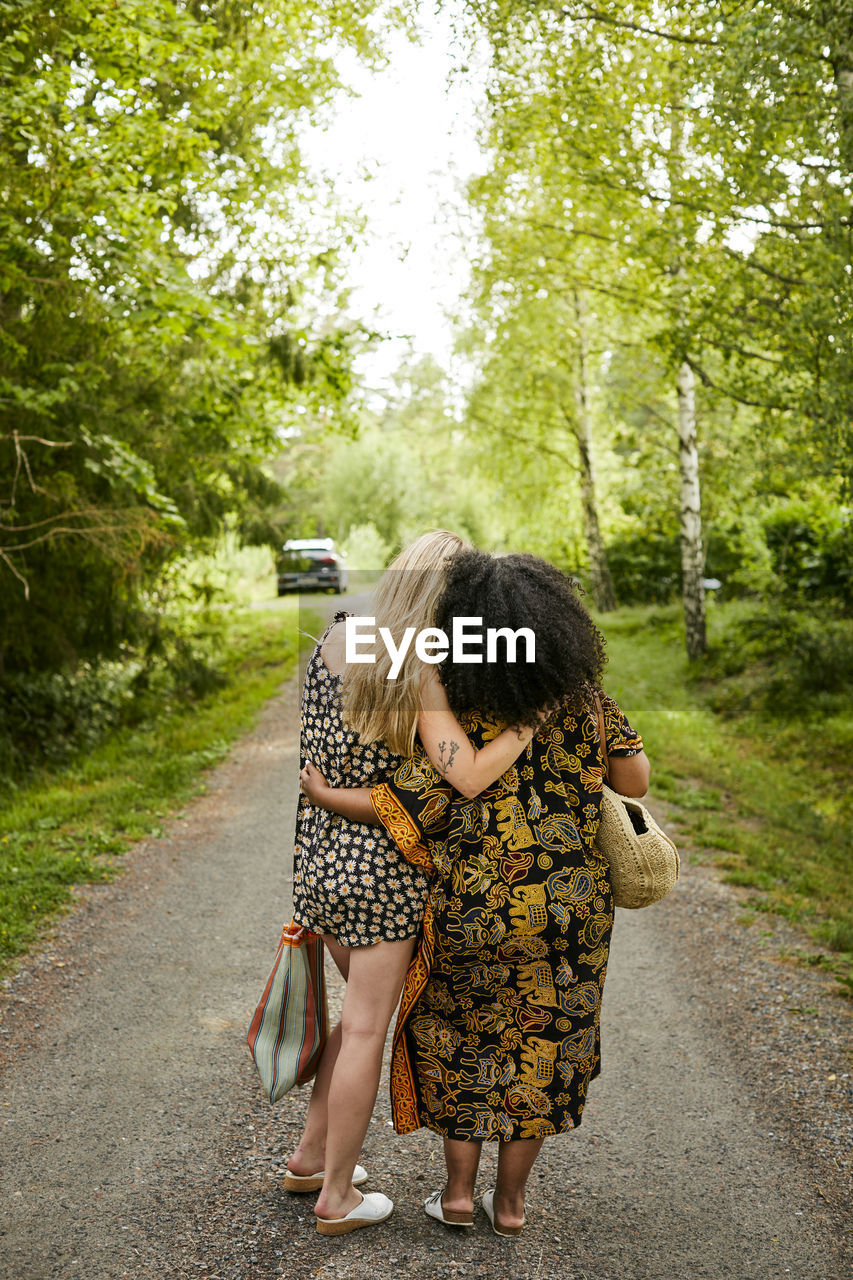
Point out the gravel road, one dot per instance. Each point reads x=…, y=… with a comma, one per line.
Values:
x=136, y=1143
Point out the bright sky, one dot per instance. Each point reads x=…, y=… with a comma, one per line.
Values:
x=401, y=150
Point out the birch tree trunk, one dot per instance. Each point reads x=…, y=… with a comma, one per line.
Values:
x=692, y=555
x=599, y=571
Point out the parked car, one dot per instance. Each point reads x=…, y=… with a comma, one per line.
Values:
x=311, y=564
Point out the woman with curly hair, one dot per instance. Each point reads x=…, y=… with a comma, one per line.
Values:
x=498, y=1032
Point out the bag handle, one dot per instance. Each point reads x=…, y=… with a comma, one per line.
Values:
x=602, y=736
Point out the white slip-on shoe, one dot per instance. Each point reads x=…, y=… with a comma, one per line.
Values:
x=489, y=1206
x=433, y=1208
x=374, y=1208
x=314, y=1181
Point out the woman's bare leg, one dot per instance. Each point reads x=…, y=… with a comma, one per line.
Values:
x=310, y=1155
x=515, y=1160
x=462, y=1160
x=374, y=983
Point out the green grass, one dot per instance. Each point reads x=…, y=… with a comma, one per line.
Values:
x=762, y=796
x=72, y=824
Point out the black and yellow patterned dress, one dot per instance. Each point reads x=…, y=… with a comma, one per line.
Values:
x=498, y=1032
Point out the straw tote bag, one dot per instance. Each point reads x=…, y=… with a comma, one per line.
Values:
x=642, y=859
x=290, y=1026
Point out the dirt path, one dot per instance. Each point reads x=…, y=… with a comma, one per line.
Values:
x=135, y=1142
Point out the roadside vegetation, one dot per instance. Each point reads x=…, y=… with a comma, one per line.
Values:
x=69, y=819
x=753, y=757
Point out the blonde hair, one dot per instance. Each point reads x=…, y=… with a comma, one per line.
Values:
x=386, y=710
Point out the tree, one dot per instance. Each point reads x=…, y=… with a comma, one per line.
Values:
x=532, y=400
x=698, y=153
x=158, y=293
x=408, y=467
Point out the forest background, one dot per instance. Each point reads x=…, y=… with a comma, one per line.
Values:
x=658, y=353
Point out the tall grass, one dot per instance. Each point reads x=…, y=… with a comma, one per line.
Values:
x=759, y=789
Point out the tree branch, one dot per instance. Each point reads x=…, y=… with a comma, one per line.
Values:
x=81, y=513
x=599, y=16
x=22, y=461
x=755, y=265
x=539, y=445
x=53, y=444
x=594, y=176
x=708, y=381
x=91, y=534
x=24, y=582
x=570, y=230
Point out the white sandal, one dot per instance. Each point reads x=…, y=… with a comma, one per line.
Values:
x=374, y=1208
x=433, y=1208
x=489, y=1206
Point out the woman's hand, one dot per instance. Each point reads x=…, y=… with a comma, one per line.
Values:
x=349, y=802
x=315, y=786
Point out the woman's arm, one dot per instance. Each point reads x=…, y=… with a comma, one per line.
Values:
x=350, y=802
x=450, y=749
x=629, y=775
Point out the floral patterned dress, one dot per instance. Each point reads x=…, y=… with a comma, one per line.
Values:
x=498, y=1031
x=349, y=880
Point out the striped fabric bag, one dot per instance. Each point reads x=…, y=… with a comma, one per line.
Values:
x=291, y=1023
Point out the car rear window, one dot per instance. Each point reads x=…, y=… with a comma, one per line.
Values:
x=304, y=560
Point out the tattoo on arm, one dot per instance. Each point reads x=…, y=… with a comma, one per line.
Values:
x=446, y=752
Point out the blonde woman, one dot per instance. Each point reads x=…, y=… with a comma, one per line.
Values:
x=350, y=883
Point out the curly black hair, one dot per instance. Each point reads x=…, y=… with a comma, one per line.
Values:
x=517, y=591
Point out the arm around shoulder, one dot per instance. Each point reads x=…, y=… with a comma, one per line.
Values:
x=450, y=749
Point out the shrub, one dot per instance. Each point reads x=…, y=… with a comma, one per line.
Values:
x=801, y=550
x=645, y=567
x=794, y=659
x=47, y=717
x=811, y=549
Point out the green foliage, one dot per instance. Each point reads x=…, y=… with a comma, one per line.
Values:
x=164, y=310
x=687, y=169
x=47, y=717
x=232, y=571
x=646, y=563
x=775, y=658
x=646, y=567
x=761, y=791
x=811, y=548
x=365, y=548
x=71, y=823
x=407, y=469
